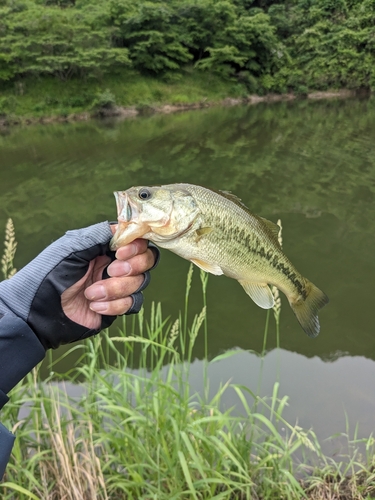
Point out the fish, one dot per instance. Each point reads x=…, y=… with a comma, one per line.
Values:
x=217, y=232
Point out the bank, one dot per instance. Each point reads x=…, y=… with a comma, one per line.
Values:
x=128, y=94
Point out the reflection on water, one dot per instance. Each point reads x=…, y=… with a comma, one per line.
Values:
x=308, y=406
x=307, y=382
x=312, y=164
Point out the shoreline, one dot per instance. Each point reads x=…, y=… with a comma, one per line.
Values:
x=124, y=112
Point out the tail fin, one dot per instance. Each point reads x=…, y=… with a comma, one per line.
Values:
x=307, y=310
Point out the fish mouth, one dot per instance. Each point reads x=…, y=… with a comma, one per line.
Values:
x=124, y=208
x=126, y=212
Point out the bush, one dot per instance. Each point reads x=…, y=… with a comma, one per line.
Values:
x=105, y=100
x=7, y=105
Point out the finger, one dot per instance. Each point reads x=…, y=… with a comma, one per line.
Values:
x=133, y=266
x=113, y=307
x=113, y=288
x=136, y=247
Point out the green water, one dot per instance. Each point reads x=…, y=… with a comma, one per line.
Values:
x=311, y=164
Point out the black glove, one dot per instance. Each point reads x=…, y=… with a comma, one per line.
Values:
x=34, y=293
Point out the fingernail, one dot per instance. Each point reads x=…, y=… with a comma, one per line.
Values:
x=99, y=307
x=96, y=292
x=130, y=251
x=119, y=268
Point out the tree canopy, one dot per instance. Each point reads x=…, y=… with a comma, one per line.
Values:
x=268, y=45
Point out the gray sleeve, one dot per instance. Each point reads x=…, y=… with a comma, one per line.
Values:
x=18, y=293
x=20, y=347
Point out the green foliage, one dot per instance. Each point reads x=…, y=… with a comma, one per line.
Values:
x=225, y=39
x=268, y=45
x=37, y=40
x=7, y=105
x=104, y=100
x=332, y=47
x=148, y=30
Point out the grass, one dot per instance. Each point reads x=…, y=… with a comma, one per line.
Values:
x=35, y=98
x=141, y=433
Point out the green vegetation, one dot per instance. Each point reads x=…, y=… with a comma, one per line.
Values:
x=244, y=46
x=48, y=96
x=142, y=434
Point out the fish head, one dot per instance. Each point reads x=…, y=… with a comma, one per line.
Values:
x=157, y=213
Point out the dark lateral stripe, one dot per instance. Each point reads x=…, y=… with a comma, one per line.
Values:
x=280, y=266
x=254, y=245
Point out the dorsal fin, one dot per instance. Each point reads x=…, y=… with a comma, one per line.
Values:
x=232, y=197
x=273, y=228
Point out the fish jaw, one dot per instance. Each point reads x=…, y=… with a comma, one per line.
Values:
x=129, y=226
x=158, y=219
x=126, y=233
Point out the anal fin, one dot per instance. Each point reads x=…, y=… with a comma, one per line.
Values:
x=260, y=293
x=208, y=267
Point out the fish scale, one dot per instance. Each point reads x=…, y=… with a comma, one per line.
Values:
x=218, y=233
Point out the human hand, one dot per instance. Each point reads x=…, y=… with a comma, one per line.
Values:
x=91, y=297
x=57, y=293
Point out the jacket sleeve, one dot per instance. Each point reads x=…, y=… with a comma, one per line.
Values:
x=20, y=351
x=31, y=315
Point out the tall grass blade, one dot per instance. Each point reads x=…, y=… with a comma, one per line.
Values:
x=187, y=475
x=20, y=489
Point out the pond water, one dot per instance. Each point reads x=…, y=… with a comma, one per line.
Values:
x=311, y=164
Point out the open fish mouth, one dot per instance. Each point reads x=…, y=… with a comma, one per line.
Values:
x=124, y=209
x=128, y=227
x=124, y=215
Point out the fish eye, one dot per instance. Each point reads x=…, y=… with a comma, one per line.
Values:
x=144, y=194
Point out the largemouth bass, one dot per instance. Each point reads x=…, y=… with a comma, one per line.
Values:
x=218, y=233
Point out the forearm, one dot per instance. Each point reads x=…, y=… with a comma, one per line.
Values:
x=36, y=310
x=20, y=351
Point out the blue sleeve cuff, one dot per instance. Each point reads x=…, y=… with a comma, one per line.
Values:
x=3, y=399
x=6, y=445
x=20, y=351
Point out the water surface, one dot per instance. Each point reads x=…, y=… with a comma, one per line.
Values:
x=311, y=164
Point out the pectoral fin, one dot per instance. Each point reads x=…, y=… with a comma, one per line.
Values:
x=208, y=267
x=260, y=293
x=202, y=231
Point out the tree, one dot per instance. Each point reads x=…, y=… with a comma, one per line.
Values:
x=149, y=31
x=50, y=40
